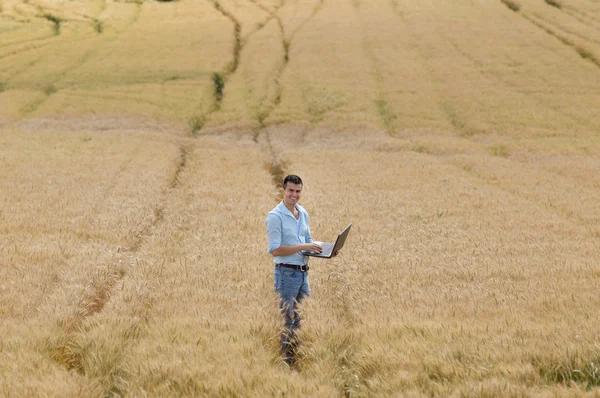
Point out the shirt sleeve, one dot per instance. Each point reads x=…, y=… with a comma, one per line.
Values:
x=273, y=232
x=308, y=236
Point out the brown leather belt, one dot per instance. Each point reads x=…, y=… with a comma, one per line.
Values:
x=296, y=267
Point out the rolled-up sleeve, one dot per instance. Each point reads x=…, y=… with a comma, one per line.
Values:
x=273, y=231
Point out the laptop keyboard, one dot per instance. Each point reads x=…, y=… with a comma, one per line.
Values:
x=327, y=248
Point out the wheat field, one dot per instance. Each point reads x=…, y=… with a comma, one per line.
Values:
x=142, y=144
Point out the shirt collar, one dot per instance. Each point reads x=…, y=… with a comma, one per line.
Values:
x=284, y=210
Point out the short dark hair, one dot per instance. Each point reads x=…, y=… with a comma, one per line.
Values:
x=294, y=179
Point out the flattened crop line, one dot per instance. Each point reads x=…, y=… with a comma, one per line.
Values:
x=49, y=92
x=159, y=210
x=272, y=14
x=286, y=44
x=577, y=11
x=220, y=78
x=65, y=350
x=512, y=5
x=554, y=3
x=566, y=30
x=386, y=114
x=96, y=23
x=457, y=121
x=313, y=14
x=183, y=155
x=263, y=7
x=583, y=53
x=444, y=104
x=13, y=43
x=237, y=29
x=55, y=20
x=580, y=16
x=267, y=109
x=277, y=169
x=49, y=39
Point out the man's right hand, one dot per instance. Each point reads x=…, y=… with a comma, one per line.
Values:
x=313, y=247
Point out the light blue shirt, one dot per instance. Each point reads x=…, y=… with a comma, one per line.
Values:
x=284, y=229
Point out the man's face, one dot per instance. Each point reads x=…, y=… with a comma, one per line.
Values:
x=291, y=193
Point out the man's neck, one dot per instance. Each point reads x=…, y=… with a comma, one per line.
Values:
x=291, y=208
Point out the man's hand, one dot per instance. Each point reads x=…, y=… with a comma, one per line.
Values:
x=313, y=247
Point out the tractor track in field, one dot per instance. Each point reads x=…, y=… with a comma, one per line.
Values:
x=574, y=10
x=42, y=14
x=580, y=16
x=23, y=42
x=479, y=67
x=85, y=57
x=30, y=46
x=51, y=89
x=267, y=107
x=581, y=51
x=535, y=20
x=457, y=120
x=66, y=349
x=265, y=8
x=565, y=30
x=386, y=114
x=286, y=43
x=220, y=78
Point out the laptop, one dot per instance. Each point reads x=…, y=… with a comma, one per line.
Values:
x=330, y=248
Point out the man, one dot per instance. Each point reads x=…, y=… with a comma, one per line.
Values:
x=288, y=230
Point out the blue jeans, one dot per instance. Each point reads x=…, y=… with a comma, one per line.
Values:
x=292, y=286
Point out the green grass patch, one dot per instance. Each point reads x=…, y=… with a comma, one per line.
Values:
x=387, y=115
x=320, y=101
x=572, y=368
x=499, y=150
x=457, y=120
x=219, y=85
x=196, y=123
x=56, y=21
x=419, y=147
x=49, y=90
x=98, y=27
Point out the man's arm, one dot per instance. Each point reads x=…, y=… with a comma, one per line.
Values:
x=287, y=250
x=274, y=234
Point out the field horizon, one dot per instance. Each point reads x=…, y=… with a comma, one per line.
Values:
x=142, y=144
